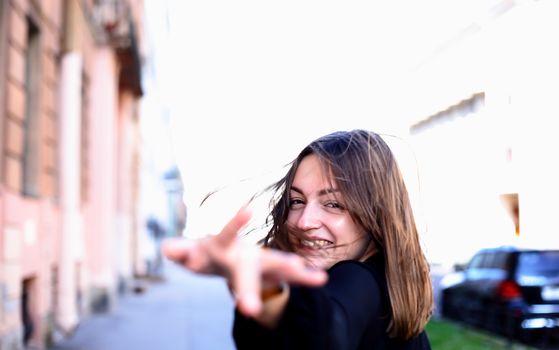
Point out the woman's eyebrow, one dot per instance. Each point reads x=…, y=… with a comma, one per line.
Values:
x=322, y=192
x=295, y=189
x=328, y=191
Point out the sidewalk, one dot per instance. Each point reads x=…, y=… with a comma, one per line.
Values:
x=185, y=312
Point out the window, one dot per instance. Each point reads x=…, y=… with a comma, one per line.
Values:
x=54, y=291
x=501, y=260
x=32, y=106
x=27, y=309
x=543, y=263
x=84, y=150
x=3, y=48
x=477, y=261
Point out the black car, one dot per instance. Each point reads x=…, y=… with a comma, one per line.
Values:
x=509, y=291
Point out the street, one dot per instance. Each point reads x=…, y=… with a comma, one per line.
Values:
x=183, y=312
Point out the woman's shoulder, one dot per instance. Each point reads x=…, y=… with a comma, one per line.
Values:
x=353, y=273
x=370, y=262
x=367, y=276
x=347, y=263
x=373, y=266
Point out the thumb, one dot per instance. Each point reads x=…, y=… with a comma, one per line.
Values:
x=176, y=249
x=232, y=228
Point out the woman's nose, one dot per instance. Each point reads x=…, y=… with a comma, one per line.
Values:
x=309, y=218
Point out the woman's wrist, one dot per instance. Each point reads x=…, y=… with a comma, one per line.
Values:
x=268, y=291
x=273, y=291
x=274, y=301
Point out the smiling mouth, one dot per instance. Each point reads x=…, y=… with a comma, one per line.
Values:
x=315, y=243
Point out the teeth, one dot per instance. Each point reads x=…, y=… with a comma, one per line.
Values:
x=318, y=243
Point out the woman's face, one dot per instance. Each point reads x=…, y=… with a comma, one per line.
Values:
x=326, y=233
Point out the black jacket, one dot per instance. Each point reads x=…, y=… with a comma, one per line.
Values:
x=351, y=311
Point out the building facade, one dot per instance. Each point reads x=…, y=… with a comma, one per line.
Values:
x=481, y=109
x=70, y=82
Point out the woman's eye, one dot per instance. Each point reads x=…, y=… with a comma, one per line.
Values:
x=295, y=201
x=334, y=205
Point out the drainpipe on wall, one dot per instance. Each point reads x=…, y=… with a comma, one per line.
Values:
x=69, y=157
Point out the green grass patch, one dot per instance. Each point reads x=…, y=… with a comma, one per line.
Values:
x=446, y=335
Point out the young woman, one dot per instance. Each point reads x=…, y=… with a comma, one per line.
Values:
x=342, y=208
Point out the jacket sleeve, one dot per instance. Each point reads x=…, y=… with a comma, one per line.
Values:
x=335, y=316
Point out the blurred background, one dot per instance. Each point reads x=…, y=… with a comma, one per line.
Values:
x=118, y=117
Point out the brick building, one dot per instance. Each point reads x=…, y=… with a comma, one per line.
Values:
x=69, y=92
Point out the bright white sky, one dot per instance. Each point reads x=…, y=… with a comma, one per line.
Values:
x=248, y=83
x=252, y=82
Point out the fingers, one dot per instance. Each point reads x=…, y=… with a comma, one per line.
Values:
x=176, y=249
x=247, y=281
x=256, y=264
x=190, y=254
x=232, y=228
x=208, y=255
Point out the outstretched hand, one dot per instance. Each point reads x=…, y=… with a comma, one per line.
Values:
x=245, y=266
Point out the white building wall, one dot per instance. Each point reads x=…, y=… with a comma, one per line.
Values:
x=466, y=163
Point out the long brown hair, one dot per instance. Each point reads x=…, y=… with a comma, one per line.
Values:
x=365, y=171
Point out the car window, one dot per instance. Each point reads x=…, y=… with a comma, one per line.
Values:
x=544, y=263
x=476, y=262
x=487, y=261
x=500, y=261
